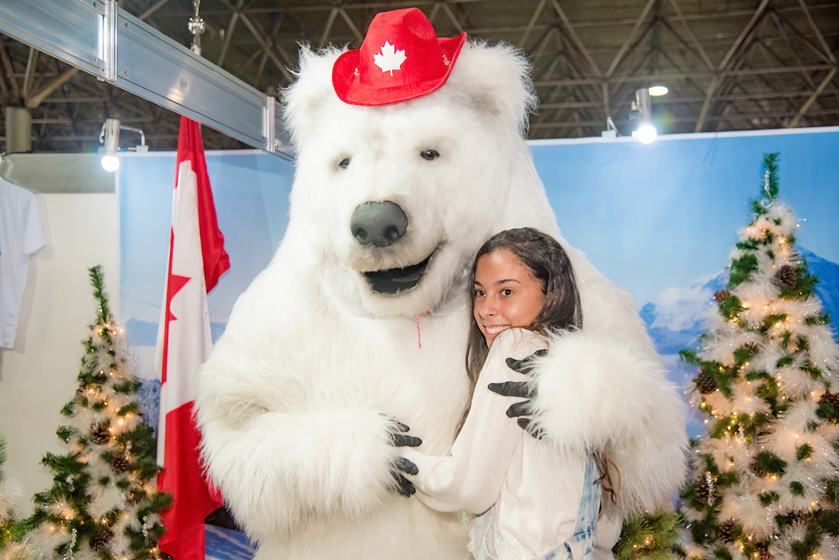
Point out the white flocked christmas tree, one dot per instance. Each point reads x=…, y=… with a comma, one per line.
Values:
x=764, y=481
x=102, y=503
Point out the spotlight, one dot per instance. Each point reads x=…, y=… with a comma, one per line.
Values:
x=658, y=90
x=641, y=111
x=109, y=138
x=109, y=162
x=645, y=133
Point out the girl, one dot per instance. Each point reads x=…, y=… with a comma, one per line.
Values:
x=533, y=502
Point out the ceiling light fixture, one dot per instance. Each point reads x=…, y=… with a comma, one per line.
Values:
x=642, y=112
x=109, y=138
x=658, y=90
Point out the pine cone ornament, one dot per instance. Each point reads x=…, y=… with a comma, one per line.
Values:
x=705, y=382
x=726, y=532
x=805, y=517
x=831, y=399
x=787, y=276
x=120, y=464
x=721, y=295
x=756, y=468
x=752, y=347
x=99, y=434
x=704, y=493
x=101, y=538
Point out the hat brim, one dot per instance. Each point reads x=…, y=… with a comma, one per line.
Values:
x=350, y=90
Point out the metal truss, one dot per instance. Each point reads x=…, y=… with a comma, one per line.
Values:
x=729, y=64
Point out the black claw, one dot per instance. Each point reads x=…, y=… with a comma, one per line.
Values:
x=514, y=364
x=404, y=486
x=406, y=465
x=526, y=424
x=525, y=365
x=396, y=423
x=511, y=389
x=402, y=440
x=519, y=409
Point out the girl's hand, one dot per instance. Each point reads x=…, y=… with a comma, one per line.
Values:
x=399, y=438
x=520, y=410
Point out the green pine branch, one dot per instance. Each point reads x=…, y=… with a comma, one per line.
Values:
x=650, y=537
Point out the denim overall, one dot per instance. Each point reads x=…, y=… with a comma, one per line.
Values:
x=581, y=544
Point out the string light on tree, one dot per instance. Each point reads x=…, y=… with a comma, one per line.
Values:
x=769, y=353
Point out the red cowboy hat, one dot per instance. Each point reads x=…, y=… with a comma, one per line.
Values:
x=401, y=58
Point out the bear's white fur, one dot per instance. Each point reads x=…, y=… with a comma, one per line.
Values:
x=297, y=399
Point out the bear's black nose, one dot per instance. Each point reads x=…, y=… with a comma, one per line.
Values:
x=378, y=223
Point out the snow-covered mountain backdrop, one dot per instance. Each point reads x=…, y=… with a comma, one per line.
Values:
x=677, y=319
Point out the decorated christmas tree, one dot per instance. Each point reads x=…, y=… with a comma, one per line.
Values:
x=12, y=547
x=764, y=482
x=102, y=503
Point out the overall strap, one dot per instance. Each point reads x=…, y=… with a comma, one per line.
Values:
x=581, y=544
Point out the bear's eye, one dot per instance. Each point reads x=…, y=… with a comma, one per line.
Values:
x=429, y=154
x=344, y=163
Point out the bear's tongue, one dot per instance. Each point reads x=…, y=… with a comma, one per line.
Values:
x=395, y=280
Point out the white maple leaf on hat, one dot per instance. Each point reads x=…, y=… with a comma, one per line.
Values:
x=389, y=59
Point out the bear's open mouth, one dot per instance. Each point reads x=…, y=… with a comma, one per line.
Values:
x=396, y=280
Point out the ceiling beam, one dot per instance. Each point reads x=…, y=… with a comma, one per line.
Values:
x=34, y=100
x=281, y=65
x=29, y=75
x=351, y=24
x=575, y=39
x=816, y=31
x=536, y=13
x=228, y=34
x=812, y=99
x=261, y=67
x=747, y=31
x=640, y=78
x=330, y=21
x=693, y=99
x=696, y=44
x=157, y=5
x=452, y=17
x=622, y=52
x=9, y=68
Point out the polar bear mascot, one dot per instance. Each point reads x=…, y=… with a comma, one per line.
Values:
x=409, y=156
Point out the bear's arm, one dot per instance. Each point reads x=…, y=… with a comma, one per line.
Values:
x=598, y=389
x=277, y=457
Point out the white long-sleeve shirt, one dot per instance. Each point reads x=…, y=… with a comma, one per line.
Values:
x=536, y=490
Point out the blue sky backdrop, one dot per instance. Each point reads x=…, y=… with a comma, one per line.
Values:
x=662, y=215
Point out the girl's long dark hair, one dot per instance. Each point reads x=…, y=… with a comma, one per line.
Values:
x=550, y=265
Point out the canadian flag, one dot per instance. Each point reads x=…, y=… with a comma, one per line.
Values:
x=196, y=261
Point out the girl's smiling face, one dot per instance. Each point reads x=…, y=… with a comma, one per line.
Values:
x=506, y=295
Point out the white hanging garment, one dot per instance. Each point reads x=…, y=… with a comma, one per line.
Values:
x=21, y=237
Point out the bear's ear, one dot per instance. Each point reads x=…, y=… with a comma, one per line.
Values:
x=310, y=91
x=497, y=80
